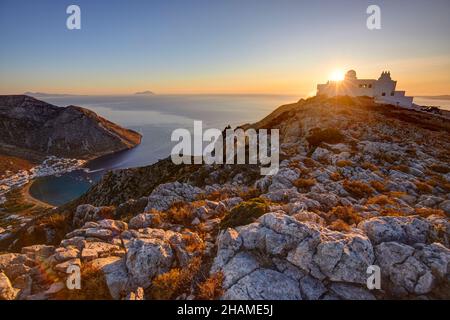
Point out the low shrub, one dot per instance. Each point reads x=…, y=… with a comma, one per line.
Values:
x=309, y=163
x=318, y=136
x=93, y=286
x=304, y=183
x=384, y=157
x=426, y=212
x=193, y=243
x=244, y=213
x=180, y=213
x=173, y=283
x=346, y=214
x=397, y=194
x=250, y=193
x=357, y=188
x=423, y=187
x=339, y=225
x=344, y=163
x=389, y=212
x=369, y=166
x=378, y=186
x=440, y=168
x=380, y=200
x=335, y=176
x=401, y=167
x=211, y=288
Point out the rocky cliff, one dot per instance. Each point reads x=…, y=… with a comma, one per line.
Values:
x=359, y=185
x=32, y=129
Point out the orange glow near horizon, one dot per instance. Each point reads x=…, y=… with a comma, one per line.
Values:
x=428, y=77
x=337, y=75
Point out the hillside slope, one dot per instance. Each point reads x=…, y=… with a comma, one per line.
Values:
x=360, y=184
x=32, y=129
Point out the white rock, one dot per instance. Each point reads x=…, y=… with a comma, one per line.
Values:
x=7, y=291
x=147, y=258
x=264, y=284
x=167, y=194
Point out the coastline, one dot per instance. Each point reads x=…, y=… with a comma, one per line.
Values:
x=25, y=191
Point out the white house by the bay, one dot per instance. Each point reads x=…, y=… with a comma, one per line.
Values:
x=382, y=89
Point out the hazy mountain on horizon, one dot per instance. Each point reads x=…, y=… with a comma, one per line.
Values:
x=147, y=92
x=44, y=94
x=439, y=97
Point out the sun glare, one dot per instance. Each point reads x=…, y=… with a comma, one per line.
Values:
x=337, y=75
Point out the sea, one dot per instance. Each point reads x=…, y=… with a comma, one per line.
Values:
x=154, y=117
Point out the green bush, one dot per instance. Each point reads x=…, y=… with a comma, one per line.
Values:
x=328, y=135
x=244, y=213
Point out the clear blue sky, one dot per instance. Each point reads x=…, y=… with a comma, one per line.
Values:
x=219, y=45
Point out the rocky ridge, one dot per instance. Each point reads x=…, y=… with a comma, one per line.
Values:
x=33, y=129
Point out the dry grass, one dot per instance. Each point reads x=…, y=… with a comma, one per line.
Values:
x=381, y=200
x=423, y=187
x=60, y=223
x=439, y=181
x=339, y=225
x=213, y=196
x=309, y=163
x=440, y=168
x=426, y=212
x=344, y=163
x=180, y=213
x=378, y=186
x=304, y=183
x=397, y=194
x=193, y=244
x=249, y=193
x=346, y=214
x=93, y=286
x=369, y=166
x=165, y=286
x=389, y=212
x=336, y=176
x=106, y=212
x=295, y=164
x=173, y=283
x=211, y=288
x=384, y=157
x=357, y=188
x=401, y=167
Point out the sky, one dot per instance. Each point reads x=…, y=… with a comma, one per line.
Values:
x=220, y=46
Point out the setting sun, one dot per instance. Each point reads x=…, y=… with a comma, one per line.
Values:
x=337, y=75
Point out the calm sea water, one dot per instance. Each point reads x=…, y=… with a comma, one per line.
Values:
x=443, y=104
x=155, y=117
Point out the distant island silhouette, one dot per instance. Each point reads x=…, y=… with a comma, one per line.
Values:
x=147, y=92
x=441, y=97
x=44, y=94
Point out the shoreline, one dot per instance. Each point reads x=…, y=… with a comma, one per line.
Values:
x=25, y=191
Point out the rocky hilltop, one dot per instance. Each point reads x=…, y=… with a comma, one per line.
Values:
x=32, y=129
x=360, y=184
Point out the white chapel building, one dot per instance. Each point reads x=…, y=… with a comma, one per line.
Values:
x=383, y=89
